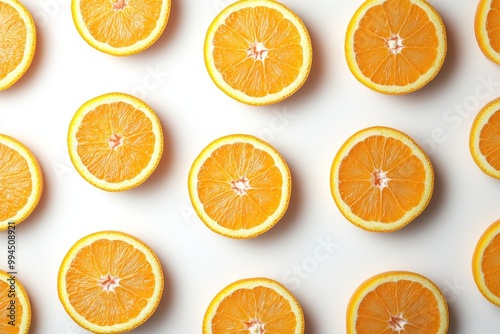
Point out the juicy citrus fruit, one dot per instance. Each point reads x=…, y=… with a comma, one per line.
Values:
x=115, y=141
x=239, y=186
x=487, y=28
x=484, y=139
x=258, y=51
x=254, y=305
x=15, y=308
x=397, y=302
x=110, y=282
x=381, y=179
x=17, y=42
x=395, y=46
x=485, y=263
x=21, y=181
x=120, y=27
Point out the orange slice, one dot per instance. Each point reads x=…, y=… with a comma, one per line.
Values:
x=15, y=307
x=120, y=27
x=110, y=282
x=395, y=46
x=484, y=139
x=258, y=51
x=239, y=186
x=17, y=41
x=397, y=302
x=487, y=28
x=485, y=263
x=381, y=179
x=254, y=305
x=115, y=141
x=21, y=181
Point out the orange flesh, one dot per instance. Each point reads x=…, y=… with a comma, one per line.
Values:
x=109, y=282
x=239, y=186
x=120, y=23
x=5, y=328
x=12, y=39
x=489, y=140
x=115, y=141
x=493, y=25
x=398, y=192
x=399, y=305
x=15, y=182
x=258, y=51
x=259, y=308
x=395, y=43
x=490, y=265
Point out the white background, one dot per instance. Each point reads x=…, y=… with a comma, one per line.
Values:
x=313, y=250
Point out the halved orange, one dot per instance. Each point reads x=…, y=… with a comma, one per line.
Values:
x=120, y=27
x=239, y=186
x=254, y=305
x=395, y=46
x=484, y=139
x=21, y=181
x=258, y=51
x=17, y=41
x=381, y=179
x=110, y=282
x=15, y=307
x=486, y=262
x=487, y=28
x=115, y=141
x=397, y=302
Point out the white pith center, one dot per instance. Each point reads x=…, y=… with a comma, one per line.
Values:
x=397, y=323
x=115, y=140
x=257, y=51
x=395, y=44
x=240, y=186
x=109, y=283
x=380, y=179
x=119, y=4
x=255, y=326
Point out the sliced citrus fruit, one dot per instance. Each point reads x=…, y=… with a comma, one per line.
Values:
x=110, y=282
x=381, y=179
x=254, y=305
x=484, y=139
x=115, y=141
x=487, y=28
x=258, y=51
x=485, y=263
x=239, y=186
x=397, y=302
x=395, y=46
x=15, y=307
x=17, y=41
x=21, y=181
x=120, y=27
